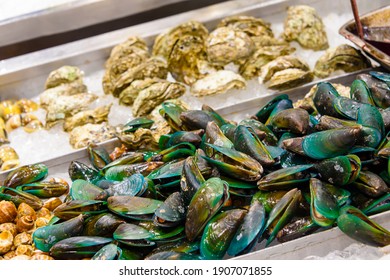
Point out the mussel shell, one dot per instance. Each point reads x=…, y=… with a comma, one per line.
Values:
x=172, y=255
x=361, y=92
x=330, y=143
x=191, y=179
x=45, y=237
x=381, y=96
x=324, y=209
x=135, y=185
x=133, y=235
x=103, y=224
x=172, y=211
x=128, y=158
x=371, y=184
x=18, y=197
x=98, y=156
x=139, y=208
x=250, y=144
x=261, y=130
x=46, y=189
x=204, y=205
x=324, y=98
x=118, y=173
x=361, y=228
x=178, y=137
x=251, y=227
x=298, y=227
x=84, y=190
x=197, y=119
x=73, y=208
x=78, y=247
x=26, y=174
x=341, y=170
x=215, y=136
x=136, y=123
x=263, y=114
x=107, y=252
x=378, y=205
x=269, y=199
x=79, y=170
x=295, y=120
x=219, y=233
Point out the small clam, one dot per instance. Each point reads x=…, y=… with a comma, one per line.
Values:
x=27, y=250
x=25, y=223
x=23, y=238
x=6, y=241
x=11, y=227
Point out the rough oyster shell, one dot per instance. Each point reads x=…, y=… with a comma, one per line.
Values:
x=250, y=25
x=289, y=78
x=66, y=106
x=94, y=116
x=226, y=44
x=304, y=25
x=63, y=75
x=217, y=82
x=46, y=97
x=142, y=138
x=154, y=94
x=343, y=57
x=82, y=136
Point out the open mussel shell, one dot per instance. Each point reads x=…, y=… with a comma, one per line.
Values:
x=269, y=199
x=133, y=235
x=285, y=179
x=358, y=226
x=26, y=174
x=324, y=208
x=371, y=184
x=298, y=227
x=179, y=151
x=168, y=174
x=282, y=213
x=261, y=130
x=340, y=171
x=46, y=189
x=45, y=237
x=204, y=205
x=235, y=163
x=263, y=114
x=171, y=113
x=171, y=212
x=84, y=190
x=251, y=228
x=219, y=233
x=73, y=208
x=103, y=224
x=172, y=255
x=78, y=247
x=136, y=123
x=138, y=208
x=107, y=252
x=18, y=197
x=250, y=144
x=215, y=136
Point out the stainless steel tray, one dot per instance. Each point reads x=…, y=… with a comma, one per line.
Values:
x=24, y=76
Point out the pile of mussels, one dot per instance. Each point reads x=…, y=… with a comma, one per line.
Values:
x=214, y=188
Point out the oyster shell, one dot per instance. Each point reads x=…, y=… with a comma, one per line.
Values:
x=154, y=94
x=66, y=106
x=142, y=138
x=94, y=116
x=343, y=57
x=281, y=63
x=289, y=78
x=154, y=67
x=82, y=136
x=8, y=158
x=165, y=42
x=263, y=55
x=218, y=82
x=226, y=44
x=250, y=25
x=304, y=25
x=63, y=75
x=51, y=94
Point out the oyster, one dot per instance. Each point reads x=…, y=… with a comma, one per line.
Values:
x=304, y=25
x=94, y=116
x=187, y=61
x=281, y=63
x=154, y=94
x=82, y=136
x=124, y=56
x=343, y=57
x=267, y=41
x=226, y=44
x=140, y=139
x=66, y=106
x=8, y=158
x=263, y=55
x=252, y=26
x=217, y=82
x=165, y=42
x=154, y=67
x=63, y=75
x=64, y=89
x=289, y=78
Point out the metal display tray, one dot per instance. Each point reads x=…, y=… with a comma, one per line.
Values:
x=318, y=244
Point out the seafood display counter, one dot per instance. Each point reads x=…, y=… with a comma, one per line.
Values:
x=199, y=170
